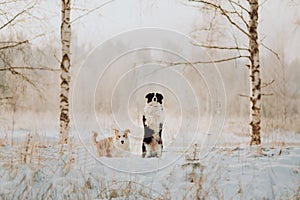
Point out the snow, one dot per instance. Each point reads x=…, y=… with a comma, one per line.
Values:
x=221, y=166
x=229, y=169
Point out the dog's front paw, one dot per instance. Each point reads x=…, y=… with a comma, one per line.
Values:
x=150, y=154
x=159, y=154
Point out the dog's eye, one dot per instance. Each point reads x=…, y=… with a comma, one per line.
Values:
x=123, y=135
x=119, y=136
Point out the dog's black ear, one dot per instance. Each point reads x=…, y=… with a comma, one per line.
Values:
x=149, y=97
x=159, y=97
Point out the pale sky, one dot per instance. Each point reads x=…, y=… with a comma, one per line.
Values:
x=279, y=20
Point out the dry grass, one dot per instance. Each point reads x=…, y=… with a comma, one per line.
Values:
x=32, y=169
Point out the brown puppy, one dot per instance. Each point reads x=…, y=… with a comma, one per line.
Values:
x=113, y=146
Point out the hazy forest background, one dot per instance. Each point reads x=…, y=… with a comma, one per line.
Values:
x=30, y=39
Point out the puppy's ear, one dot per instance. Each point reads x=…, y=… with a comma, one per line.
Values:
x=116, y=131
x=95, y=137
x=95, y=134
x=127, y=131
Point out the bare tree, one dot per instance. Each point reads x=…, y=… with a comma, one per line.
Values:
x=23, y=65
x=11, y=45
x=64, y=71
x=65, y=77
x=255, y=89
x=18, y=57
x=243, y=18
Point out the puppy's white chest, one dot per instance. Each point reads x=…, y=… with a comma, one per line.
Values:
x=121, y=150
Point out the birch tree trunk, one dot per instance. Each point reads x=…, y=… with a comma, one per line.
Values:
x=255, y=80
x=64, y=71
x=254, y=67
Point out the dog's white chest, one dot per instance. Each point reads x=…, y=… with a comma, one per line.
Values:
x=154, y=116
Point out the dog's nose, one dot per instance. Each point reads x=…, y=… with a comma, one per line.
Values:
x=154, y=99
x=122, y=142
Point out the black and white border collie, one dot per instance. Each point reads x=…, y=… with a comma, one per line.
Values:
x=153, y=120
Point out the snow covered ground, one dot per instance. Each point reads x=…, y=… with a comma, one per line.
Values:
x=32, y=168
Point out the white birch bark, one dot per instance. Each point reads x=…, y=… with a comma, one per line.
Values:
x=255, y=80
x=64, y=71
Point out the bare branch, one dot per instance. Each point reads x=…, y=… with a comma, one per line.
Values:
x=12, y=19
x=267, y=84
x=28, y=80
x=92, y=10
x=222, y=47
x=236, y=43
x=5, y=98
x=239, y=5
x=240, y=15
x=262, y=3
x=267, y=94
x=201, y=62
x=271, y=50
x=14, y=45
x=9, y=42
x=225, y=13
x=243, y=95
x=8, y=2
x=17, y=15
x=29, y=68
x=23, y=76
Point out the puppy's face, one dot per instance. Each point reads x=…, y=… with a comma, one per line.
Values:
x=153, y=98
x=121, y=136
